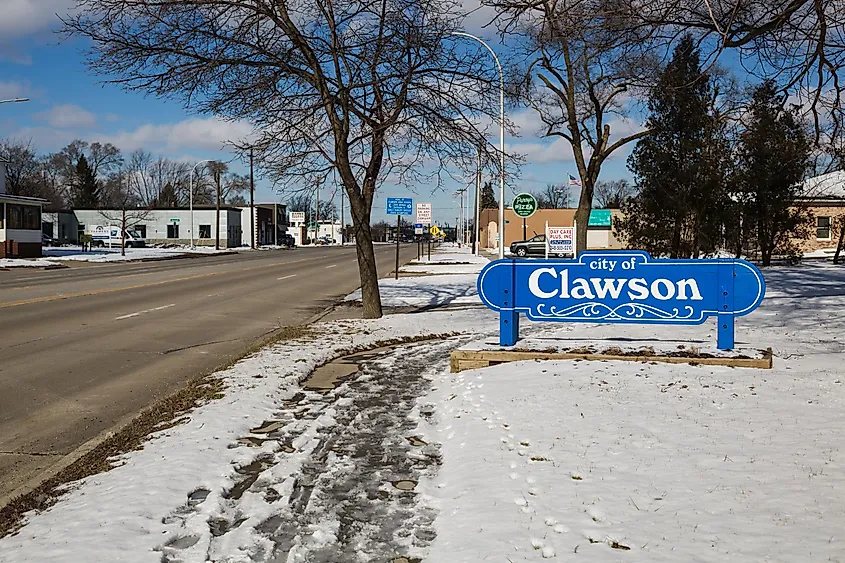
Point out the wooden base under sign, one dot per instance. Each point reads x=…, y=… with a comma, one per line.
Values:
x=473, y=359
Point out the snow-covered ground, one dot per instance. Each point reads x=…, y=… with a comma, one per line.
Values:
x=598, y=461
x=21, y=263
x=74, y=253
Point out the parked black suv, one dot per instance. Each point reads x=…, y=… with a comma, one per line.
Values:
x=534, y=246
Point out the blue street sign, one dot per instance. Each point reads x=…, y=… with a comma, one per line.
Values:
x=400, y=206
x=621, y=286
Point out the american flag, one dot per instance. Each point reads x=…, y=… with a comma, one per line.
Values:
x=573, y=181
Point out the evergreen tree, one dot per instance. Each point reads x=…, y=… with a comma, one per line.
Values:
x=678, y=167
x=488, y=198
x=86, y=186
x=773, y=158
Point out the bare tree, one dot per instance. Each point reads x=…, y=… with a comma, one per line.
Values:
x=797, y=43
x=553, y=196
x=123, y=203
x=611, y=195
x=583, y=66
x=368, y=88
x=22, y=167
x=101, y=159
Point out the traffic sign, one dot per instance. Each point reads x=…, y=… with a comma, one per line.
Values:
x=524, y=205
x=400, y=206
x=561, y=240
x=434, y=230
x=424, y=213
x=418, y=229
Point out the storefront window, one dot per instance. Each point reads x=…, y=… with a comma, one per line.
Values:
x=23, y=217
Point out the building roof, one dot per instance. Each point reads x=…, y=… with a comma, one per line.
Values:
x=22, y=199
x=196, y=208
x=830, y=186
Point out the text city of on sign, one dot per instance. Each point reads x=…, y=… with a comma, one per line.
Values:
x=623, y=286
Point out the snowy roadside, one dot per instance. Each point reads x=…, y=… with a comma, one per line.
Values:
x=99, y=255
x=21, y=263
x=526, y=461
x=667, y=463
x=273, y=471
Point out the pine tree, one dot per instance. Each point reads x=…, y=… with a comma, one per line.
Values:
x=488, y=198
x=677, y=166
x=774, y=156
x=86, y=186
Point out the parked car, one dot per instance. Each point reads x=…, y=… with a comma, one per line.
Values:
x=535, y=246
x=47, y=240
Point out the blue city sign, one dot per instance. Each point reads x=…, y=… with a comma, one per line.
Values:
x=621, y=286
x=400, y=206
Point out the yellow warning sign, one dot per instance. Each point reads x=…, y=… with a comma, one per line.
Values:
x=434, y=230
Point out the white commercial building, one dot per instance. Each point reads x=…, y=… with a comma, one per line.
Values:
x=157, y=226
x=304, y=233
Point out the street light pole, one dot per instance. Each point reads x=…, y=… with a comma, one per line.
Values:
x=191, y=196
x=501, y=141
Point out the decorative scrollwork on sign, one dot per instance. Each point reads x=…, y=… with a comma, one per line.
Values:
x=600, y=312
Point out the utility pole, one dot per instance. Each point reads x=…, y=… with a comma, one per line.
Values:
x=475, y=242
x=251, y=202
x=342, y=221
x=317, y=216
x=217, y=229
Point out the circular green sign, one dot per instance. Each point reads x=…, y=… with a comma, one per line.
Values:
x=524, y=205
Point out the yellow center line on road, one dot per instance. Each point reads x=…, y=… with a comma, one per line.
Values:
x=48, y=298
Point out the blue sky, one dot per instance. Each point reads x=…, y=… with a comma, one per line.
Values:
x=68, y=103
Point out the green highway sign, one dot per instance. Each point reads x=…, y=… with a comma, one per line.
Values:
x=599, y=218
x=524, y=205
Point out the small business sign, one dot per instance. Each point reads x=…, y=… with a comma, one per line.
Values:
x=174, y=220
x=561, y=240
x=424, y=213
x=297, y=216
x=400, y=206
x=524, y=205
x=621, y=286
x=599, y=218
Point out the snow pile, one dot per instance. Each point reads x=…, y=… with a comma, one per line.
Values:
x=669, y=462
x=72, y=253
x=449, y=260
x=425, y=291
x=20, y=263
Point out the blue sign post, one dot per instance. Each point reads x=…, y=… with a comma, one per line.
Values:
x=621, y=286
x=399, y=206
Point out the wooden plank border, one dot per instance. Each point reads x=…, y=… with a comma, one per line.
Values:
x=461, y=360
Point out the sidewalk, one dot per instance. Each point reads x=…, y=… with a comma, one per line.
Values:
x=385, y=456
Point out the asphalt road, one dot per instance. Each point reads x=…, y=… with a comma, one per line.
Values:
x=85, y=348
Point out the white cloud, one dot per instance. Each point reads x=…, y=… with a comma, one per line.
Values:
x=25, y=17
x=541, y=152
x=13, y=90
x=195, y=133
x=67, y=116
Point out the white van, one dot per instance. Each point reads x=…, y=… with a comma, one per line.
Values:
x=109, y=236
